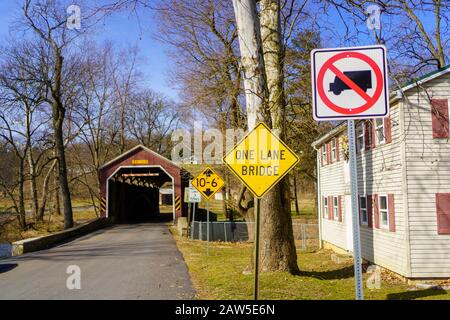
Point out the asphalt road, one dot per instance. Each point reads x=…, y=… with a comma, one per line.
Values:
x=134, y=261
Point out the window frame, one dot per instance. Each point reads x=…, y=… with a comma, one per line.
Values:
x=333, y=150
x=361, y=146
x=381, y=128
x=336, y=207
x=361, y=210
x=325, y=206
x=380, y=211
x=324, y=154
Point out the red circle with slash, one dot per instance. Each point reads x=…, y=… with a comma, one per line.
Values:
x=370, y=100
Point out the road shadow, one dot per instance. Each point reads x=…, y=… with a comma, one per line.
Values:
x=7, y=267
x=343, y=273
x=161, y=218
x=411, y=295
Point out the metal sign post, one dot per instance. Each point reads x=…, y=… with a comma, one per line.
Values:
x=257, y=231
x=351, y=84
x=208, y=182
x=193, y=220
x=260, y=160
x=359, y=294
x=207, y=227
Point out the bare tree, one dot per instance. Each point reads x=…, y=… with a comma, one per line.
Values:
x=202, y=36
x=416, y=33
x=125, y=76
x=24, y=127
x=151, y=119
x=47, y=19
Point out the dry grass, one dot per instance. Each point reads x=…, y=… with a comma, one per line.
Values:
x=10, y=232
x=226, y=274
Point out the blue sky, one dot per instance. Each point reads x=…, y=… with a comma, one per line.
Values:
x=124, y=29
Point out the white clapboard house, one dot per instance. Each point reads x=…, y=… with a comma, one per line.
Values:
x=403, y=182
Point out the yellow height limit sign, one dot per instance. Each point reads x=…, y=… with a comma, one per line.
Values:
x=208, y=183
x=260, y=160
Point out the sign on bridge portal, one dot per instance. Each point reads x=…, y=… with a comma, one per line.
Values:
x=208, y=183
x=260, y=160
x=349, y=83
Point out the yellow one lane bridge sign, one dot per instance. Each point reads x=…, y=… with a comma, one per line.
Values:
x=260, y=160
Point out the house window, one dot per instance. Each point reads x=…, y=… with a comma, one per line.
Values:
x=360, y=136
x=335, y=208
x=333, y=150
x=324, y=154
x=379, y=126
x=363, y=209
x=325, y=206
x=384, y=212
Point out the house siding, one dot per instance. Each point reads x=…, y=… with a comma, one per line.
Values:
x=413, y=168
x=331, y=178
x=379, y=172
x=428, y=173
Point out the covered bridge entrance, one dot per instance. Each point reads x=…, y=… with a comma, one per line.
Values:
x=130, y=186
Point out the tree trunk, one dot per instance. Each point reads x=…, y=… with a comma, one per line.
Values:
x=278, y=247
x=247, y=23
x=297, y=208
x=58, y=121
x=21, y=197
x=33, y=188
x=245, y=206
x=41, y=210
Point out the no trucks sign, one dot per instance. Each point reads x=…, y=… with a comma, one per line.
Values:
x=349, y=83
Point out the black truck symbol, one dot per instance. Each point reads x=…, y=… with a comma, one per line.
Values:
x=362, y=79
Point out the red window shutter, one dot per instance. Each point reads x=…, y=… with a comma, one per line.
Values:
x=330, y=207
x=323, y=207
x=391, y=209
x=376, y=211
x=367, y=134
x=340, y=208
x=369, y=210
x=337, y=149
x=439, y=118
x=387, y=129
x=328, y=153
x=443, y=212
x=374, y=133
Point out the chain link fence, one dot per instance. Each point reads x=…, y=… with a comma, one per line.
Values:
x=306, y=235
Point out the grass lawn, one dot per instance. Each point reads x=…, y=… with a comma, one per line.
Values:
x=307, y=210
x=220, y=276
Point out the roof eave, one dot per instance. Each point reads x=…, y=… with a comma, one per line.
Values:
x=330, y=134
x=394, y=98
x=133, y=149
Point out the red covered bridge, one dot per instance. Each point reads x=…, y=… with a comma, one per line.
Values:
x=130, y=183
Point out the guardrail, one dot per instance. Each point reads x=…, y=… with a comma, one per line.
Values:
x=48, y=241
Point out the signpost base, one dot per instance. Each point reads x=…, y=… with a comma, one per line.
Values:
x=207, y=228
x=193, y=221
